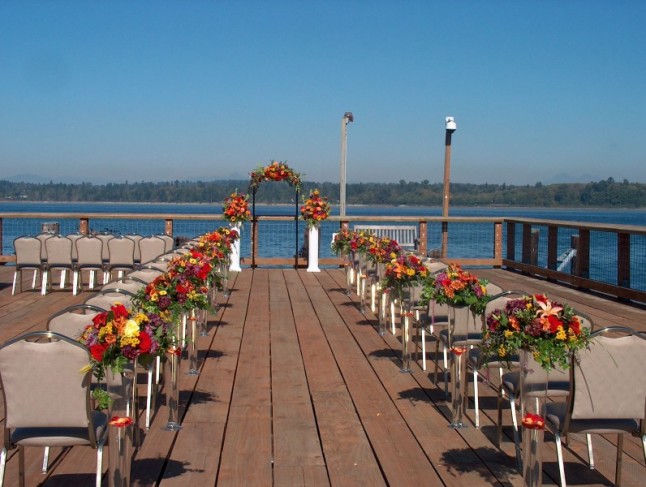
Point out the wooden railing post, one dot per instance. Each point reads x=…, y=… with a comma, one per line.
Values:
x=527, y=243
x=552, y=247
x=583, y=254
x=423, y=239
x=84, y=226
x=445, y=239
x=623, y=259
x=1, y=239
x=511, y=241
x=168, y=229
x=497, y=242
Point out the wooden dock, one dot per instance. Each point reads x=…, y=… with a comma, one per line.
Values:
x=297, y=387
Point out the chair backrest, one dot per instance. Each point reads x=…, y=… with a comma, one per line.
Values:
x=28, y=251
x=74, y=237
x=609, y=379
x=106, y=299
x=89, y=251
x=105, y=238
x=72, y=320
x=168, y=240
x=493, y=289
x=146, y=274
x=150, y=248
x=464, y=323
x=43, y=250
x=43, y=384
x=121, y=252
x=136, y=238
x=59, y=251
x=126, y=283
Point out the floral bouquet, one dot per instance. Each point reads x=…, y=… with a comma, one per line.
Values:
x=315, y=208
x=189, y=276
x=551, y=331
x=457, y=287
x=217, y=244
x=120, y=335
x=360, y=241
x=341, y=241
x=383, y=249
x=404, y=270
x=275, y=171
x=236, y=208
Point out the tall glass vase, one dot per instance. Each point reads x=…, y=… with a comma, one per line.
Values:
x=235, y=248
x=122, y=411
x=458, y=386
x=203, y=318
x=362, y=279
x=171, y=376
x=224, y=274
x=459, y=318
x=405, y=315
x=348, y=263
x=192, y=327
x=533, y=392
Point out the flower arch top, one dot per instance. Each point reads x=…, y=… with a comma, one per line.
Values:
x=275, y=171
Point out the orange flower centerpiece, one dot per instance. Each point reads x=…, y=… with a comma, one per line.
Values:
x=275, y=171
x=236, y=208
x=404, y=270
x=315, y=209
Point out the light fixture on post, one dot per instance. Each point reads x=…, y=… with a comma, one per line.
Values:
x=347, y=118
x=450, y=128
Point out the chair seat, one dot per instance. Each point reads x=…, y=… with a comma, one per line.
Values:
x=472, y=339
x=556, y=412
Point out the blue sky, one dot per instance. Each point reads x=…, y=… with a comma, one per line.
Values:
x=138, y=90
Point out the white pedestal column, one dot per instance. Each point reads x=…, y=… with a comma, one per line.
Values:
x=313, y=249
x=235, y=250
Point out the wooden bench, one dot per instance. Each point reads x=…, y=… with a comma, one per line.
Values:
x=406, y=235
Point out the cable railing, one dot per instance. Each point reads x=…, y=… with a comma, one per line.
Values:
x=606, y=258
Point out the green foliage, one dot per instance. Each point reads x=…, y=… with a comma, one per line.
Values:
x=606, y=193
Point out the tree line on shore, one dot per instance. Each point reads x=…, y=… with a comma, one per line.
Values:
x=605, y=193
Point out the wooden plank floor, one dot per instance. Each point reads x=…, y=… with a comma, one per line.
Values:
x=297, y=387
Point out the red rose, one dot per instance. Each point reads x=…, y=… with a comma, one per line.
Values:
x=100, y=319
x=144, y=342
x=554, y=323
x=120, y=310
x=98, y=350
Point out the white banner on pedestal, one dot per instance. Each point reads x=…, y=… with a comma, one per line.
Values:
x=313, y=249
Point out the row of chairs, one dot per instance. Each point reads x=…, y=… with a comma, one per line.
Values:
x=604, y=390
x=105, y=254
x=55, y=359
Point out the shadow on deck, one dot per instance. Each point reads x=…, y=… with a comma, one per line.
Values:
x=297, y=387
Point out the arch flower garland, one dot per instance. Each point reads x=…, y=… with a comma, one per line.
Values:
x=275, y=171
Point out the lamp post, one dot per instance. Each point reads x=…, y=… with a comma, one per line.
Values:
x=450, y=128
x=347, y=118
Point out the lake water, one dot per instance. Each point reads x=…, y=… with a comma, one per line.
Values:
x=279, y=239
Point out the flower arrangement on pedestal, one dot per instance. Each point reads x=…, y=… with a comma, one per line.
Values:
x=120, y=335
x=457, y=287
x=189, y=274
x=551, y=331
x=236, y=208
x=275, y=171
x=341, y=241
x=404, y=270
x=315, y=208
x=383, y=249
x=360, y=241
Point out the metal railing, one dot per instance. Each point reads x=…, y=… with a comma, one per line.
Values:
x=607, y=258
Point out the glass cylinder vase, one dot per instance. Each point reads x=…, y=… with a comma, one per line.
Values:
x=458, y=343
x=533, y=393
x=405, y=314
x=121, y=411
x=171, y=387
x=192, y=330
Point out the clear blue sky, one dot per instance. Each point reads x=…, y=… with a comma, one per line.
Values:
x=161, y=90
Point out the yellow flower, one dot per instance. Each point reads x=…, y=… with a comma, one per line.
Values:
x=508, y=333
x=502, y=351
x=131, y=329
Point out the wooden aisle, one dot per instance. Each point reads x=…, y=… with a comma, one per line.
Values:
x=297, y=387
